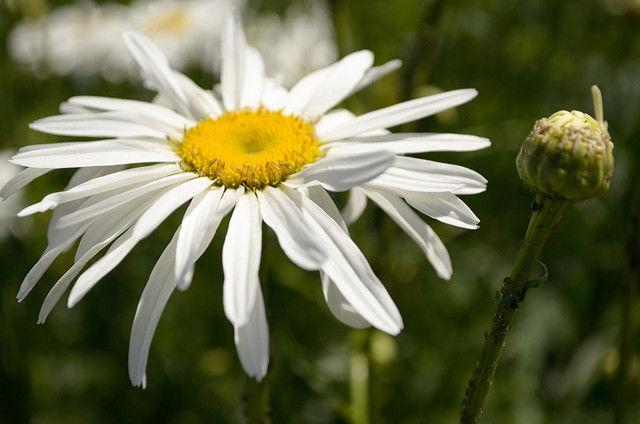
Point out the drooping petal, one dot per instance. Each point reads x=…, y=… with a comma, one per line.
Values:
x=45, y=261
x=252, y=340
x=99, y=235
x=350, y=271
x=80, y=176
x=397, y=114
x=339, y=306
x=338, y=172
x=21, y=180
x=337, y=303
x=241, y=260
x=444, y=207
x=153, y=216
x=106, y=202
x=199, y=220
x=186, y=259
x=154, y=298
x=356, y=204
x=284, y=217
x=417, y=229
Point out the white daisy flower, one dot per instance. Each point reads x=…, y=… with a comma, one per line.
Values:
x=188, y=31
x=258, y=153
x=300, y=42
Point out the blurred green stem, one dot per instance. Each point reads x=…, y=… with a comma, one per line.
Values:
x=626, y=407
x=546, y=214
x=359, y=377
x=257, y=401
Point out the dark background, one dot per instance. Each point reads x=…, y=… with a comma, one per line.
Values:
x=527, y=59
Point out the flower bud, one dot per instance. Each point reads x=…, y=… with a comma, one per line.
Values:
x=568, y=155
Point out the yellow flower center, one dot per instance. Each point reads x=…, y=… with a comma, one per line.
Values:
x=250, y=148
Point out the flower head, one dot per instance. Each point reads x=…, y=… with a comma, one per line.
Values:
x=568, y=155
x=260, y=153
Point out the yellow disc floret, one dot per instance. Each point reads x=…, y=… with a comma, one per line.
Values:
x=250, y=148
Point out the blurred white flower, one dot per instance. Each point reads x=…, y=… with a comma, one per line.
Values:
x=9, y=224
x=293, y=46
x=86, y=39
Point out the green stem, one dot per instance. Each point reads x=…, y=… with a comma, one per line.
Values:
x=546, y=214
x=257, y=402
x=359, y=377
x=626, y=387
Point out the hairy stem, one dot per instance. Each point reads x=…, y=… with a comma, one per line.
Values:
x=546, y=213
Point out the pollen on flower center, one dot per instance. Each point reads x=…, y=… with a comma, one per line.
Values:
x=250, y=148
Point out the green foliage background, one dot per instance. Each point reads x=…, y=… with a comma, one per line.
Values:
x=527, y=59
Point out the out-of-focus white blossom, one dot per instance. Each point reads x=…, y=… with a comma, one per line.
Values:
x=296, y=44
x=86, y=39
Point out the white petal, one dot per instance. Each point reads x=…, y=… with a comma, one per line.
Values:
x=471, y=182
x=98, y=205
x=101, y=185
x=18, y=182
x=156, y=293
x=185, y=264
x=253, y=80
x=99, y=234
x=356, y=204
x=199, y=220
x=400, y=113
x=274, y=96
x=96, y=153
x=241, y=260
x=153, y=112
x=115, y=221
x=407, y=143
x=350, y=271
x=445, y=207
x=156, y=69
x=202, y=103
x=377, y=72
x=337, y=83
x=299, y=95
x=167, y=203
x=338, y=172
x=284, y=217
x=234, y=47
x=155, y=214
x=418, y=230
x=80, y=176
x=339, y=306
x=252, y=341
x=49, y=255
x=102, y=124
